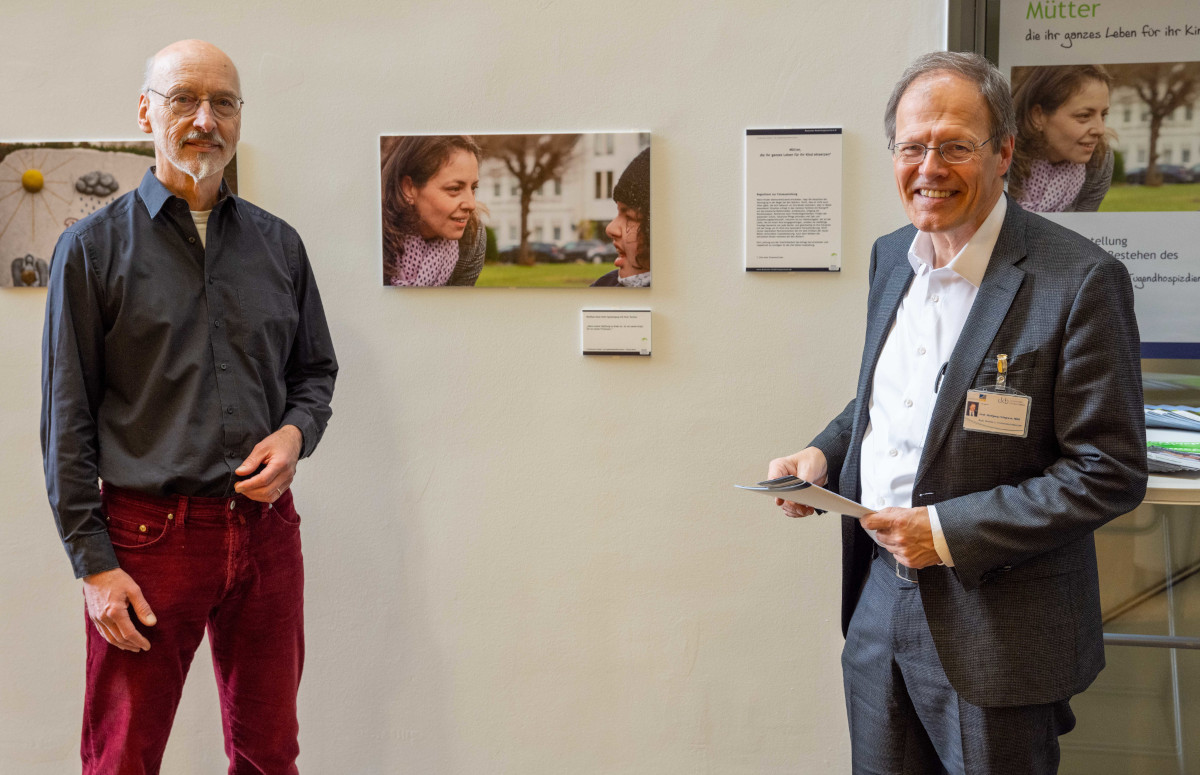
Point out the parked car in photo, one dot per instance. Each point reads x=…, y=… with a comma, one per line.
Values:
x=605, y=253
x=579, y=249
x=542, y=252
x=1171, y=173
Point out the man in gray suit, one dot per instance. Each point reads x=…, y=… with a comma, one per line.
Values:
x=970, y=598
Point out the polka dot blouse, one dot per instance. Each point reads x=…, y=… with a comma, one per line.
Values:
x=1052, y=188
x=426, y=262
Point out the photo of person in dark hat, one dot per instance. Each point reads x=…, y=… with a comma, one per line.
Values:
x=630, y=230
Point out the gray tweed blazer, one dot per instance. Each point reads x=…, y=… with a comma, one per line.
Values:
x=1016, y=621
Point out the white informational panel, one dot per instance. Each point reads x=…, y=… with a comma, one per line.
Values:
x=1149, y=215
x=615, y=331
x=794, y=200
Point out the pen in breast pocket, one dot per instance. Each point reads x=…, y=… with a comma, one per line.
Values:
x=941, y=373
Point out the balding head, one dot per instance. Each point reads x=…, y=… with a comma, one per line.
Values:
x=189, y=53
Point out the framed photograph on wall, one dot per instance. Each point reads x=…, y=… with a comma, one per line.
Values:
x=516, y=210
x=47, y=186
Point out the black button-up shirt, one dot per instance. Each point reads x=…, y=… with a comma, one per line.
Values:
x=164, y=362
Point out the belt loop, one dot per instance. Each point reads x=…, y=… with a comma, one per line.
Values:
x=181, y=511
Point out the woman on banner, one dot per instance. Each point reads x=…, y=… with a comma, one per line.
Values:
x=1063, y=161
x=431, y=232
x=630, y=230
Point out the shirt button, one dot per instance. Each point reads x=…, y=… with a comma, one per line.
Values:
x=920, y=351
x=229, y=410
x=908, y=402
x=230, y=453
x=935, y=298
x=210, y=281
x=893, y=452
x=217, y=323
x=880, y=501
x=224, y=366
x=192, y=240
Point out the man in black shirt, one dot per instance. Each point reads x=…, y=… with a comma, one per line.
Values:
x=187, y=364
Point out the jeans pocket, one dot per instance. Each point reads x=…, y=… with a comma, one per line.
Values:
x=286, y=514
x=137, y=532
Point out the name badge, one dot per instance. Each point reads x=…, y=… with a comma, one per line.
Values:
x=988, y=411
x=1001, y=410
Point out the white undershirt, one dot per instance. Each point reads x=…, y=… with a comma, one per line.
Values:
x=200, y=218
x=928, y=322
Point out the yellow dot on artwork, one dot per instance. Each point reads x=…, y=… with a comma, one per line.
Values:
x=32, y=181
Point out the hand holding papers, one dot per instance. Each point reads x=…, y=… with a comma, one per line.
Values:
x=796, y=490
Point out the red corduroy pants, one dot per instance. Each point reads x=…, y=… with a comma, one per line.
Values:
x=230, y=566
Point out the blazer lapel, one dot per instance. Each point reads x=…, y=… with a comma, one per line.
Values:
x=883, y=315
x=999, y=287
x=881, y=323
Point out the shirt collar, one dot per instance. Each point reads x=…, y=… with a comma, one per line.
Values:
x=155, y=195
x=971, y=262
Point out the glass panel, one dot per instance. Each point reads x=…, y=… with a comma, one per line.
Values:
x=1136, y=717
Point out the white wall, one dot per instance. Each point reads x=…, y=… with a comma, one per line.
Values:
x=519, y=559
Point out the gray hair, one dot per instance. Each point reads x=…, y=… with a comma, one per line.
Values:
x=149, y=73
x=993, y=87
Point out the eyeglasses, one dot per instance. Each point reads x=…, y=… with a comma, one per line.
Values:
x=952, y=151
x=185, y=104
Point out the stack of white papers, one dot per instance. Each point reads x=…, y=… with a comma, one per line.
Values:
x=1184, y=418
x=791, y=488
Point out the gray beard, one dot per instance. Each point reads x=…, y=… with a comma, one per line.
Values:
x=198, y=169
x=202, y=167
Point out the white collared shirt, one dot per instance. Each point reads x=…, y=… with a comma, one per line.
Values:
x=928, y=322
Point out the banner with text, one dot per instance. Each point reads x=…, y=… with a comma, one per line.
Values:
x=1107, y=97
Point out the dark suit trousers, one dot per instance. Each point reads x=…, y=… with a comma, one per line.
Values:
x=906, y=719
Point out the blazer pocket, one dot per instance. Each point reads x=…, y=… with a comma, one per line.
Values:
x=1017, y=364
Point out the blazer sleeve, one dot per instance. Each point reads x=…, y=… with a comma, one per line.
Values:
x=1095, y=186
x=472, y=251
x=1099, y=429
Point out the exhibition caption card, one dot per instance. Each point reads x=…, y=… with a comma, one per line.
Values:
x=609, y=331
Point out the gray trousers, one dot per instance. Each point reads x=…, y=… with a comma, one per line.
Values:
x=906, y=719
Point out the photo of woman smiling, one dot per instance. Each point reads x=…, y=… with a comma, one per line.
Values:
x=431, y=231
x=1063, y=161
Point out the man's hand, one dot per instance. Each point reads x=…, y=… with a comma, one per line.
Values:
x=108, y=595
x=277, y=454
x=906, y=534
x=808, y=464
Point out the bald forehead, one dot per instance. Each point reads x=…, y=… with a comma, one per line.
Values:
x=188, y=61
